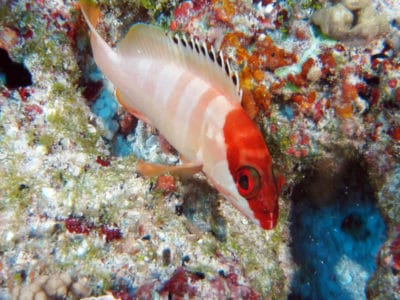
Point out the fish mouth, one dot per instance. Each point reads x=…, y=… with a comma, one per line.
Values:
x=269, y=221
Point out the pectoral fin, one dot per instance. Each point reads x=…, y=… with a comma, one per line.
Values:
x=150, y=169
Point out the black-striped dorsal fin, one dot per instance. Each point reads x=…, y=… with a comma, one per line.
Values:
x=210, y=53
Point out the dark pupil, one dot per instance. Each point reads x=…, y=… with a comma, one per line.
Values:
x=244, y=182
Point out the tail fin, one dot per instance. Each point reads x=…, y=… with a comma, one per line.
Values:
x=91, y=13
x=105, y=57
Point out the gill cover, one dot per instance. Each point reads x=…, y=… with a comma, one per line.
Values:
x=250, y=165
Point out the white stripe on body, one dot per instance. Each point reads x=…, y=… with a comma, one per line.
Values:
x=183, y=117
x=212, y=150
x=167, y=96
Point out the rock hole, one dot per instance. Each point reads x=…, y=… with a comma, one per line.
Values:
x=337, y=231
x=15, y=74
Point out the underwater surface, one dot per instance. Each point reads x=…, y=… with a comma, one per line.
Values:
x=321, y=79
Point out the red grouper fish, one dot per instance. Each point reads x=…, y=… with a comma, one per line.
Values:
x=188, y=93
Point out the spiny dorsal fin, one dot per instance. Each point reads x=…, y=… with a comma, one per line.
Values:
x=151, y=41
x=208, y=52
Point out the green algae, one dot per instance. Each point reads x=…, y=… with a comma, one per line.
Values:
x=47, y=140
x=149, y=4
x=311, y=4
x=16, y=191
x=292, y=87
x=260, y=268
x=262, y=278
x=70, y=118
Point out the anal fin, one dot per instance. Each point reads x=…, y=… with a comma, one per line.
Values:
x=122, y=100
x=150, y=169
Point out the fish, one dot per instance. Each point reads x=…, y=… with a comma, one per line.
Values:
x=189, y=92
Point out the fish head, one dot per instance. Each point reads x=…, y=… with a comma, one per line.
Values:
x=250, y=166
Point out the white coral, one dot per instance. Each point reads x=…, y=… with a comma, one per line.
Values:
x=351, y=20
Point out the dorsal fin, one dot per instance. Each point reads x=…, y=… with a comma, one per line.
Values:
x=149, y=40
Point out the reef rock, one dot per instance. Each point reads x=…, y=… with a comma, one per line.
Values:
x=351, y=20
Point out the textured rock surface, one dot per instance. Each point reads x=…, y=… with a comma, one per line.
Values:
x=351, y=20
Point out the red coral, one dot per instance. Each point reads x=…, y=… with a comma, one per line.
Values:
x=298, y=153
x=239, y=41
x=305, y=102
x=395, y=251
x=305, y=68
x=395, y=246
x=248, y=104
x=24, y=93
x=181, y=15
x=228, y=285
x=375, y=134
x=198, y=4
x=344, y=110
x=349, y=92
x=318, y=111
x=166, y=183
x=178, y=285
x=78, y=225
x=340, y=48
x=122, y=295
x=392, y=83
x=31, y=110
x=262, y=97
x=375, y=96
x=111, y=233
x=92, y=90
x=328, y=63
x=397, y=95
x=282, y=18
x=396, y=262
x=127, y=123
x=394, y=132
x=103, y=162
x=145, y=291
x=270, y=57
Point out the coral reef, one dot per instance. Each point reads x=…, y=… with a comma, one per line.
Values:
x=79, y=222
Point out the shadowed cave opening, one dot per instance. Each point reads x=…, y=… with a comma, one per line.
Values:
x=13, y=74
x=337, y=231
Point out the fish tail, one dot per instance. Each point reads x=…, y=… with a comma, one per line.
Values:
x=106, y=58
x=91, y=12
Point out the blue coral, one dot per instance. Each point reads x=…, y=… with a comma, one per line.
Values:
x=106, y=108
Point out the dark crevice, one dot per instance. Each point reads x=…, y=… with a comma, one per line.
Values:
x=16, y=74
x=337, y=231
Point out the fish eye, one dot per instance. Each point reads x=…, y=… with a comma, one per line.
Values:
x=247, y=181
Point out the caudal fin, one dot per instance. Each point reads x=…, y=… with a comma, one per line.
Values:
x=104, y=56
x=91, y=13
